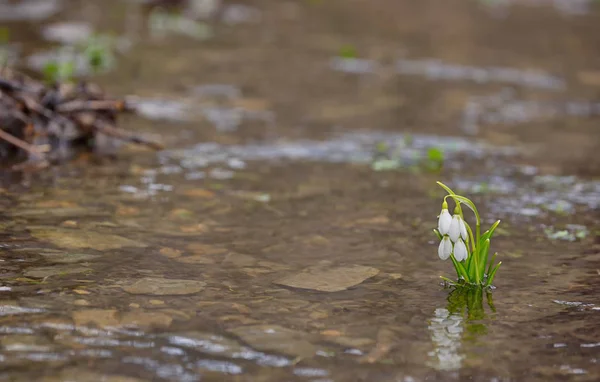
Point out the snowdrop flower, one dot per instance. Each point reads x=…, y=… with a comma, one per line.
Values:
x=444, y=220
x=445, y=248
x=460, y=250
x=457, y=228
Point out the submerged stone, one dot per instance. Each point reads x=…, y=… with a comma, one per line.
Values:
x=75, y=239
x=42, y=272
x=67, y=258
x=276, y=338
x=333, y=279
x=161, y=287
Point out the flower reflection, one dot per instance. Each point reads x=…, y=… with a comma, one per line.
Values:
x=446, y=333
x=462, y=319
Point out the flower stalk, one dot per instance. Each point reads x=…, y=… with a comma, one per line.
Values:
x=455, y=234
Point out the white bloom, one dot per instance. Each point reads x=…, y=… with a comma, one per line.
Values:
x=445, y=248
x=457, y=228
x=444, y=221
x=463, y=229
x=460, y=250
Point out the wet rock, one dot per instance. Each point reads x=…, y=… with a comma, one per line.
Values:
x=146, y=319
x=161, y=287
x=195, y=259
x=67, y=258
x=59, y=212
x=332, y=279
x=350, y=342
x=100, y=317
x=276, y=338
x=239, y=260
x=77, y=239
x=42, y=272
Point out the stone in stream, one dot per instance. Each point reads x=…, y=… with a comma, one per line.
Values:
x=76, y=239
x=42, y=272
x=276, y=338
x=161, y=287
x=329, y=279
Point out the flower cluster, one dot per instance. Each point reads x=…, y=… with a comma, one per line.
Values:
x=467, y=248
x=454, y=232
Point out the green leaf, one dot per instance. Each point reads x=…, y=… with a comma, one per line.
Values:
x=50, y=71
x=448, y=280
x=348, y=51
x=435, y=158
x=488, y=234
x=483, y=254
x=439, y=235
x=493, y=274
x=460, y=269
x=4, y=35
x=491, y=263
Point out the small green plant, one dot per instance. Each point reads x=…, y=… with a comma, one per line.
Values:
x=348, y=51
x=98, y=52
x=468, y=250
x=435, y=159
x=4, y=47
x=62, y=68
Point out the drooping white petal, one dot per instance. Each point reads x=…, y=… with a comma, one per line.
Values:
x=460, y=250
x=445, y=248
x=463, y=229
x=444, y=222
x=454, y=231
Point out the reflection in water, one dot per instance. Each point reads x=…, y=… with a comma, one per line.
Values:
x=462, y=314
x=446, y=333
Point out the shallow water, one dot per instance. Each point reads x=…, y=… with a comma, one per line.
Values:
x=263, y=245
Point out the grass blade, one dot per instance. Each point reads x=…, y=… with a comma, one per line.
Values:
x=492, y=263
x=460, y=269
x=483, y=255
x=493, y=274
x=488, y=234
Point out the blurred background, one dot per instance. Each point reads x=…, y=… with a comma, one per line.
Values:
x=284, y=231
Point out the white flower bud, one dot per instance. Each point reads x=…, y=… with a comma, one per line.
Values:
x=463, y=229
x=454, y=231
x=460, y=250
x=445, y=248
x=444, y=221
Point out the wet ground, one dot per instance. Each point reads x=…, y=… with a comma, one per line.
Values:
x=285, y=234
